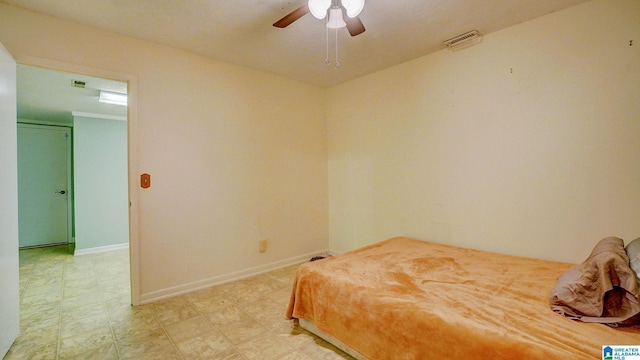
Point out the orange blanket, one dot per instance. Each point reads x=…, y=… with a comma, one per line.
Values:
x=410, y=299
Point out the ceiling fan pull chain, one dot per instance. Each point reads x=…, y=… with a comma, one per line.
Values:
x=326, y=60
x=337, y=65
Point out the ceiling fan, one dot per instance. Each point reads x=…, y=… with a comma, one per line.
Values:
x=320, y=9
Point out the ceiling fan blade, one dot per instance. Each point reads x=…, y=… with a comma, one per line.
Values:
x=354, y=25
x=292, y=16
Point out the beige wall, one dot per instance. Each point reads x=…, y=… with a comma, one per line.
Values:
x=527, y=143
x=235, y=155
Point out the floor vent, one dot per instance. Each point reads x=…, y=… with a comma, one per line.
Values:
x=464, y=41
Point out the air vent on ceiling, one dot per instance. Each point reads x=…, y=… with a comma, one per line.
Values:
x=464, y=41
x=78, y=84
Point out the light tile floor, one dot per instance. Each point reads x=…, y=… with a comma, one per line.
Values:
x=78, y=307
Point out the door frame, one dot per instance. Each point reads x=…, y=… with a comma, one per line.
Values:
x=40, y=125
x=132, y=126
x=9, y=277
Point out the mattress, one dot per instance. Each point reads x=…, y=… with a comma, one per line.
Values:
x=410, y=299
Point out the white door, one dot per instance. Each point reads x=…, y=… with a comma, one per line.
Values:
x=43, y=184
x=9, y=280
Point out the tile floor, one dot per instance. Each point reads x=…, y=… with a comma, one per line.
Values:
x=77, y=307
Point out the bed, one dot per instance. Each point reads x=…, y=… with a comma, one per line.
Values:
x=404, y=298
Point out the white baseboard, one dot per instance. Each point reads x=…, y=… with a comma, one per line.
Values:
x=222, y=279
x=100, y=249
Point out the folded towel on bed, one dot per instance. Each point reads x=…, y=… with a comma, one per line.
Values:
x=602, y=289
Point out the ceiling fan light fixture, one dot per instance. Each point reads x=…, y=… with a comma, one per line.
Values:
x=336, y=21
x=353, y=7
x=318, y=8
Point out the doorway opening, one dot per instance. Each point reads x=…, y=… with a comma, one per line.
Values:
x=72, y=161
x=97, y=221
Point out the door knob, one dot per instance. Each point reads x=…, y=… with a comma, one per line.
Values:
x=61, y=192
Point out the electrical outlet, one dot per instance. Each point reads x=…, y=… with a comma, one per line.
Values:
x=262, y=246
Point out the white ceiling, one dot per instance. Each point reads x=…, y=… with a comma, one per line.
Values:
x=241, y=31
x=48, y=95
